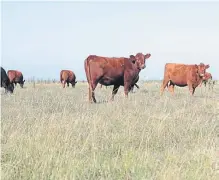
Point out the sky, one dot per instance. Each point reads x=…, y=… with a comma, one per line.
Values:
x=41, y=38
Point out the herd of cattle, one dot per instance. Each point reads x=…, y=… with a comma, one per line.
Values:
x=121, y=71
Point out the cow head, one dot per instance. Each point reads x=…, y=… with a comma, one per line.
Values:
x=22, y=83
x=202, y=69
x=73, y=84
x=139, y=60
x=10, y=88
x=207, y=76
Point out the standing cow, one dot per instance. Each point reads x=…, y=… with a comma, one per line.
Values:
x=183, y=75
x=113, y=71
x=5, y=82
x=16, y=77
x=67, y=76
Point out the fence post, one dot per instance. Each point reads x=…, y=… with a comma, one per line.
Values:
x=34, y=85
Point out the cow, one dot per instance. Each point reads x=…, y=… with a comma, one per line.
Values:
x=5, y=82
x=117, y=71
x=16, y=77
x=67, y=76
x=183, y=75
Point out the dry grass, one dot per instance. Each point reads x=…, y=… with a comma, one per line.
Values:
x=54, y=133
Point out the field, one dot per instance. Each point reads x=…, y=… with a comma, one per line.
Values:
x=52, y=133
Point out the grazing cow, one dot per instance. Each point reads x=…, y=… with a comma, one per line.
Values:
x=183, y=75
x=5, y=82
x=16, y=77
x=67, y=76
x=113, y=71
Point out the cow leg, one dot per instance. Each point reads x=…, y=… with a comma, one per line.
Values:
x=171, y=88
x=63, y=83
x=15, y=84
x=92, y=87
x=164, y=85
x=115, y=90
x=67, y=84
x=132, y=89
x=127, y=88
x=191, y=89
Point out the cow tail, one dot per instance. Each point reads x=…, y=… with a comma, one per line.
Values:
x=61, y=76
x=88, y=70
x=136, y=86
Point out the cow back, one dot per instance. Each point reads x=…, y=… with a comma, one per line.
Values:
x=15, y=76
x=67, y=75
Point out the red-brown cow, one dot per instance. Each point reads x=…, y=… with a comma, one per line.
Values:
x=113, y=71
x=16, y=77
x=67, y=76
x=183, y=75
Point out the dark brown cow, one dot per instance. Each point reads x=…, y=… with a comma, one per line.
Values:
x=67, y=76
x=16, y=77
x=183, y=75
x=113, y=71
x=5, y=82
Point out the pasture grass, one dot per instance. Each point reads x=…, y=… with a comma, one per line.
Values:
x=48, y=132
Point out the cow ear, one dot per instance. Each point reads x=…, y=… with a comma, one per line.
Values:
x=147, y=56
x=132, y=58
x=207, y=66
x=196, y=66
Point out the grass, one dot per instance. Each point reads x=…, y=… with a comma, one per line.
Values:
x=52, y=133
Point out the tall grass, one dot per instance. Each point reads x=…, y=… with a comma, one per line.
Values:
x=52, y=133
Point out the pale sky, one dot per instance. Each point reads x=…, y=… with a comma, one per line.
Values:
x=41, y=38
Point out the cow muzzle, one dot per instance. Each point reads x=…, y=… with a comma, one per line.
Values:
x=143, y=66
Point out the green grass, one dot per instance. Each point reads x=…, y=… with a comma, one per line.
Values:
x=52, y=133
